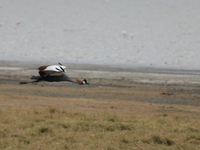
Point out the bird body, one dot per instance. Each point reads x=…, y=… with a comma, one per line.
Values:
x=55, y=73
x=53, y=68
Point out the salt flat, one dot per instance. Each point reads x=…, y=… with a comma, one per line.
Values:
x=150, y=33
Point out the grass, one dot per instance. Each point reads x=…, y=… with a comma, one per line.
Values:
x=57, y=129
x=100, y=118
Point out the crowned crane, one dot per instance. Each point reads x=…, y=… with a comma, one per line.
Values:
x=54, y=73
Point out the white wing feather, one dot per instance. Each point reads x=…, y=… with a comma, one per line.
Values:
x=55, y=68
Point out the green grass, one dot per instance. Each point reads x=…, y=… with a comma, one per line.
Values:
x=55, y=129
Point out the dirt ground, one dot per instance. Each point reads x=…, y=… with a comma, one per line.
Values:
x=113, y=89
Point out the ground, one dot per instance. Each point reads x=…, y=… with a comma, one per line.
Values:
x=115, y=90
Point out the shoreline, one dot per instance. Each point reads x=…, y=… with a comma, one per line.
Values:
x=128, y=65
x=103, y=67
x=150, y=85
x=117, y=75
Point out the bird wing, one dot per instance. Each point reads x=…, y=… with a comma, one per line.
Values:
x=44, y=73
x=53, y=70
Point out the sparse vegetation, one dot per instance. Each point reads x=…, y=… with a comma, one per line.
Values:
x=53, y=128
x=100, y=118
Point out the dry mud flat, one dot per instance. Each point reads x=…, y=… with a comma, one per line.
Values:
x=113, y=89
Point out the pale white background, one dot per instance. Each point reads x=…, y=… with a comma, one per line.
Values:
x=162, y=33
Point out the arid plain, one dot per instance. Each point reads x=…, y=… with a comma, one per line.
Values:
x=119, y=91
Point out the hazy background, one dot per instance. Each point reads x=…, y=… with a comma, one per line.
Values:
x=162, y=33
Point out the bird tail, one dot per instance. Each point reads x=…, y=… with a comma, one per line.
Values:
x=27, y=82
x=35, y=77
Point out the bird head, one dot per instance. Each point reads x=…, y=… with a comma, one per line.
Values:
x=82, y=81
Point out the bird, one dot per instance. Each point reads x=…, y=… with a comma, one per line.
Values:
x=54, y=73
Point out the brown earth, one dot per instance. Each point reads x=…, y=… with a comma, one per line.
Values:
x=113, y=89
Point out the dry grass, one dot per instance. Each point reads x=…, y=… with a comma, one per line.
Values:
x=108, y=118
x=51, y=128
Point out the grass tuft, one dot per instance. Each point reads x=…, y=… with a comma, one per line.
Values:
x=73, y=130
x=158, y=140
x=45, y=130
